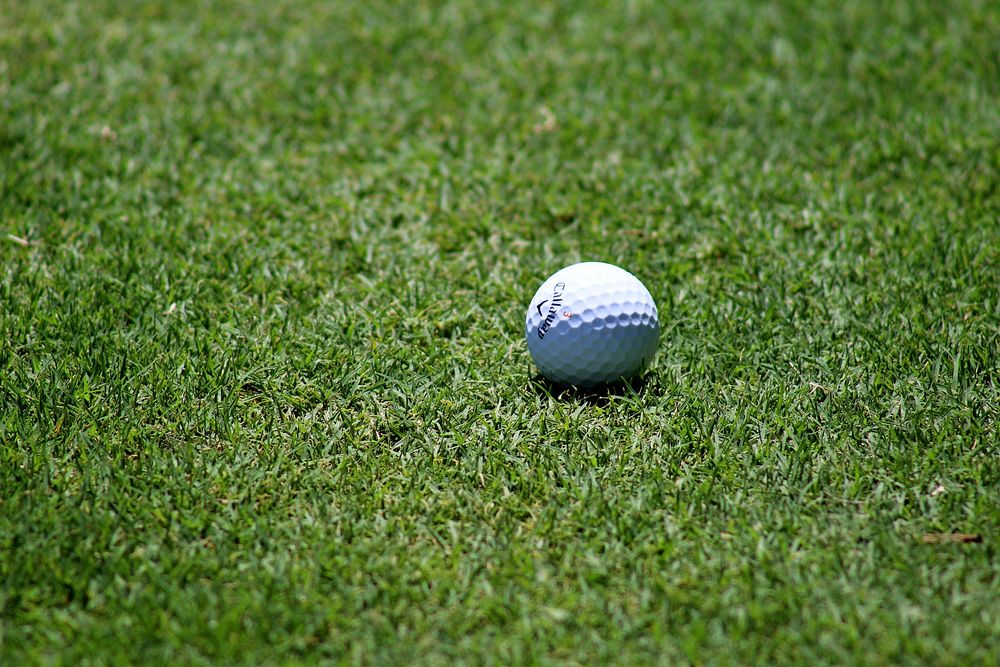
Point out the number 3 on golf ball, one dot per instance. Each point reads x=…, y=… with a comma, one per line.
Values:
x=590, y=324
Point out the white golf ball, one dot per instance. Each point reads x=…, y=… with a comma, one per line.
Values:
x=590, y=324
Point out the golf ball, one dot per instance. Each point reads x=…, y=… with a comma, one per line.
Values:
x=591, y=323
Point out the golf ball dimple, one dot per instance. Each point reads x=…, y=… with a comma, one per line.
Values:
x=590, y=324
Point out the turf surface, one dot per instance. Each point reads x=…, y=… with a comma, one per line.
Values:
x=263, y=390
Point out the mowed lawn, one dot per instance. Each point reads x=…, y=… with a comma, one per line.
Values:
x=264, y=392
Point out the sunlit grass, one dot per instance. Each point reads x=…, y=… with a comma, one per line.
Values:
x=263, y=389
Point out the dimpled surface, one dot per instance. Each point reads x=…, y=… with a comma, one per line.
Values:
x=591, y=323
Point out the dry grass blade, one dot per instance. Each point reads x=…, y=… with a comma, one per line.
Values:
x=951, y=538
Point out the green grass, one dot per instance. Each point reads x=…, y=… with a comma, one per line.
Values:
x=264, y=395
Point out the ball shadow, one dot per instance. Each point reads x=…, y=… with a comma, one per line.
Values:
x=599, y=395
